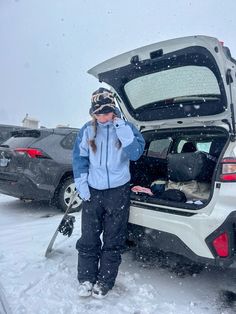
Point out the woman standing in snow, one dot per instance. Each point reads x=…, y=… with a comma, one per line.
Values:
x=101, y=156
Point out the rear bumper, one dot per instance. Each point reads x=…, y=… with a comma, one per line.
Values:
x=189, y=236
x=22, y=187
x=155, y=240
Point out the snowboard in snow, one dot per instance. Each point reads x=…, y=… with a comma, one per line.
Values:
x=52, y=241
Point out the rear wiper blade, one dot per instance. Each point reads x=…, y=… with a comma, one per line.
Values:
x=4, y=145
x=177, y=101
x=201, y=98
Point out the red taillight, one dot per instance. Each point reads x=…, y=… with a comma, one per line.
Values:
x=221, y=245
x=228, y=172
x=31, y=152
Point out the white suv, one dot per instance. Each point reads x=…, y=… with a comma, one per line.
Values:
x=181, y=93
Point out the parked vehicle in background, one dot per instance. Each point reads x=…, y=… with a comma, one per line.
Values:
x=35, y=164
x=181, y=93
x=5, y=131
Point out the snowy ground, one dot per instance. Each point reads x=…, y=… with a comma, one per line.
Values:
x=33, y=284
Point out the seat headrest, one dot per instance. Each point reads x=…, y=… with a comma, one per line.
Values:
x=189, y=147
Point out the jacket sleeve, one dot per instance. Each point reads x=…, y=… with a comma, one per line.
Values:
x=131, y=139
x=80, y=164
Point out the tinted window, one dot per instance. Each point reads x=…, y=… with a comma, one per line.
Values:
x=15, y=142
x=4, y=135
x=5, y=132
x=69, y=140
x=159, y=148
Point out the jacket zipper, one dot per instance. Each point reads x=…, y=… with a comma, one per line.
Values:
x=108, y=180
x=101, y=155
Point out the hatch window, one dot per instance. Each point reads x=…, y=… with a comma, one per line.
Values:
x=175, y=85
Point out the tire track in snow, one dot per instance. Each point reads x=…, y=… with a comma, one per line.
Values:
x=4, y=306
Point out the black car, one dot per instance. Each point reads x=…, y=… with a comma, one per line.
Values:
x=36, y=164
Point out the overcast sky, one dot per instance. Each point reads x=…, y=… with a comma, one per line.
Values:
x=47, y=46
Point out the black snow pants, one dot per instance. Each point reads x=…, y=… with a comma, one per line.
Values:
x=107, y=213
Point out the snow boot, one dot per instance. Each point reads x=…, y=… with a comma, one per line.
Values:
x=100, y=291
x=85, y=289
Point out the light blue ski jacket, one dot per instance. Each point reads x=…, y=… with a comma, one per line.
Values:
x=108, y=167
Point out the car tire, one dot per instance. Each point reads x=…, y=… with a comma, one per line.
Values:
x=64, y=194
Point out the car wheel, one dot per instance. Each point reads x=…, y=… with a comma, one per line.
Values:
x=64, y=194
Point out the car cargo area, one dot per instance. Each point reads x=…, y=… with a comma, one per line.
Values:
x=178, y=167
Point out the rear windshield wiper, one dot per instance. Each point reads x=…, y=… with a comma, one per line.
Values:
x=177, y=101
x=4, y=145
x=193, y=98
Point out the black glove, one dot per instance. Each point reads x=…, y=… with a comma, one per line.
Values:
x=67, y=225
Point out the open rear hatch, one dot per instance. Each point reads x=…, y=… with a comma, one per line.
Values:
x=186, y=80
